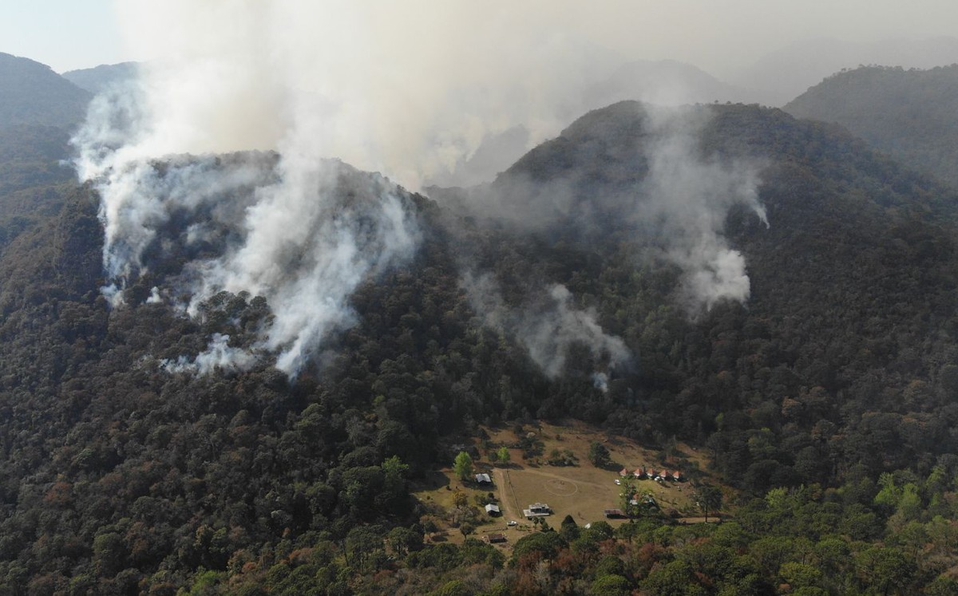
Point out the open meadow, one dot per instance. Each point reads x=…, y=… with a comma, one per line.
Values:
x=581, y=489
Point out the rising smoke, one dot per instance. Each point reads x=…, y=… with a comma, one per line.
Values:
x=298, y=230
x=548, y=330
x=413, y=98
x=640, y=171
x=688, y=197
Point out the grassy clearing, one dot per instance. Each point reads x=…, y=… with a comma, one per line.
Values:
x=582, y=490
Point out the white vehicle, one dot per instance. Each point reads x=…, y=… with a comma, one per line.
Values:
x=513, y=523
x=618, y=482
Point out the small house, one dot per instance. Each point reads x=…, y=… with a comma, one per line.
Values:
x=496, y=538
x=493, y=510
x=483, y=479
x=537, y=510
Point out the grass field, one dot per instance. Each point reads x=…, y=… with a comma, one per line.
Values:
x=582, y=491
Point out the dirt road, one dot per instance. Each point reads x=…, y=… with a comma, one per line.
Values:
x=507, y=495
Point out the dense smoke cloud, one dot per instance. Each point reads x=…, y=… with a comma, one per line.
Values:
x=549, y=329
x=342, y=80
x=409, y=89
x=296, y=229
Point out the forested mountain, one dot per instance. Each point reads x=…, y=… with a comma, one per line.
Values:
x=31, y=93
x=98, y=78
x=786, y=73
x=766, y=288
x=660, y=82
x=909, y=114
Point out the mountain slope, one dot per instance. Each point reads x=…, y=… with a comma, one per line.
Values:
x=856, y=270
x=786, y=73
x=98, y=78
x=909, y=114
x=31, y=93
x=659, y=82
x=123, y=472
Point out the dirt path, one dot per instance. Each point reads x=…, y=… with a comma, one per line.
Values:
x=510, y=507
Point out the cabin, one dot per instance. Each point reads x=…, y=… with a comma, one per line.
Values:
x=483, y=479
x=639, y=473
x=537, y=510
x=624, y=473
x=493, y=510
x=615, y=514
x=496, y=538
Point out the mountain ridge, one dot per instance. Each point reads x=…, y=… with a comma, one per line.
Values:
x=32, y=94
x=909, y=114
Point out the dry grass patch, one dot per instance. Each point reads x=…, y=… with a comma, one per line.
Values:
x=582, y=491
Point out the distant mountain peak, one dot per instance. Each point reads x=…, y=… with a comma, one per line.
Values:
x=31, y=93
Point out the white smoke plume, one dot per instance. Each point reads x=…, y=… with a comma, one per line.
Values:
x=410, y=89
x=219, y=355
x=297, y=229
x=302, y=234
x=640, y=170
x=688, y=196
x=548, y=332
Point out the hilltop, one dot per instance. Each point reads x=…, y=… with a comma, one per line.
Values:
x=31, y=93
x=782, y=75
x=908, y=114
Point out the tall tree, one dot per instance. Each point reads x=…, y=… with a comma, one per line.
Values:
x=463, y=465
x=709, y=499
x=599, y=455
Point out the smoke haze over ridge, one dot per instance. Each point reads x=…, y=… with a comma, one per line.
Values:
x=345, y=80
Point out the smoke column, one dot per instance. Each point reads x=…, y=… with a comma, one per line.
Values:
x=302, y=231
x=547, y=332
x=689, y=197
x=408, y=89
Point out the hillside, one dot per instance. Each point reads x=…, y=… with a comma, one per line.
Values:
x=31, y=93
x=857, y=262
x=908, y=114
x=766, y=289
x=94, y=80
x=659, y=82
x=784, y=74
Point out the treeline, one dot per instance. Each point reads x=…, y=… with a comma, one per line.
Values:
x=895, y=537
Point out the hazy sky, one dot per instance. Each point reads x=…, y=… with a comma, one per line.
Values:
x=717, y=35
